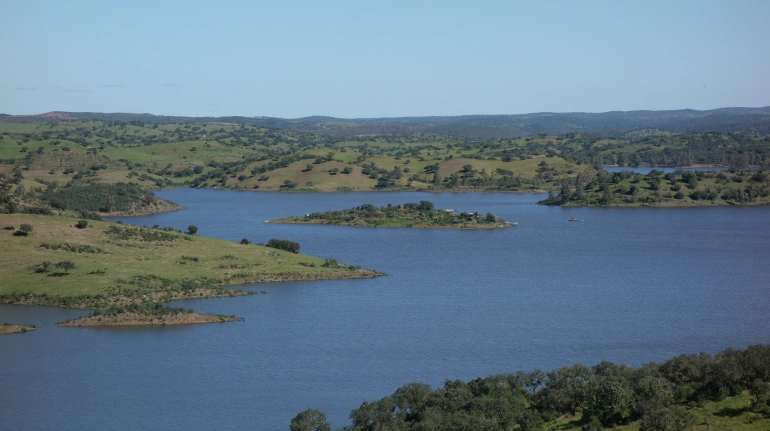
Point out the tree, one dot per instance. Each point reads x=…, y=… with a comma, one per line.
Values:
x=284, y=244
x=82, y=224
x=24, y=229
x=66, y=265
x=192, y=229
x=245, y=241
x=425, y=206
x=310, y=420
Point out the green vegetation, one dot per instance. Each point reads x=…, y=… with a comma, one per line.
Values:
x=422, y=215
x=80, y=158
x=672, y=189
x=283, y=244
x=109, y=265
x=730, y=390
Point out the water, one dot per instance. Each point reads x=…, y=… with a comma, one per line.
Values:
x=625, y=285
x=644, y=170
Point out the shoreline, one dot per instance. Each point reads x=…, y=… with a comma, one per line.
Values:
x=9, y=328
x=162, y=297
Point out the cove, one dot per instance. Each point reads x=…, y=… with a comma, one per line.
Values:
x=628, y=285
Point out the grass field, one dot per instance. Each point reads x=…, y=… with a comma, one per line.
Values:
x=114, y=261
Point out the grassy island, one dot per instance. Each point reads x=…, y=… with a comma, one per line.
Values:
x=422, y=215
x=114, y=268
x=9, y=328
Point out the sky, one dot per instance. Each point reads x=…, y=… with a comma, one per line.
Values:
x=358, y=59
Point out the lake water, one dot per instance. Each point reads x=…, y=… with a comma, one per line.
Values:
x=629, y=285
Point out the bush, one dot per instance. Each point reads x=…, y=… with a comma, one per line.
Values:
x=24, y=230
x=40, y=267
x=192, y=229
x=245, y=241
x=284, y=244
x=82, y=224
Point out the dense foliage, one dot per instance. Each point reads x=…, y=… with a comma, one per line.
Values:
x=284, y=244
x=657, y=188
x=605, y=395
x=100, y=197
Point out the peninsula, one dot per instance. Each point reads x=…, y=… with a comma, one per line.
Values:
x=413, y=215
x=126, y=273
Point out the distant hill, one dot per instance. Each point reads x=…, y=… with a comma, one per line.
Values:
x=612, y=124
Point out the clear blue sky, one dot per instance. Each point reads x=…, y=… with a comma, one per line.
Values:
x=381, y=59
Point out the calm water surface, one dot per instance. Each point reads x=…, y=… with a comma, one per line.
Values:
x=624, y=285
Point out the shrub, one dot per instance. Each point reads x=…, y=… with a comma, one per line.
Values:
x=40, y=267
x=245, y=241
x=192, y=229
x=24, y=230
x=82, y=224
x=330, y=263
x=284, y=244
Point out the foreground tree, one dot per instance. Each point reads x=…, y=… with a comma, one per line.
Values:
x=310, y=420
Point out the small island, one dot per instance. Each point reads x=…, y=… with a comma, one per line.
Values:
x=142, y=315
x=9, y=328
x=412, y=215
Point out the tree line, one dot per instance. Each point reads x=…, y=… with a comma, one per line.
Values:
x=660, y=395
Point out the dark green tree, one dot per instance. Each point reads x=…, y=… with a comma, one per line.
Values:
x=24, y=229
x=284, y=244
x=310, y=420
x=192, y=229
x=66, y=265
